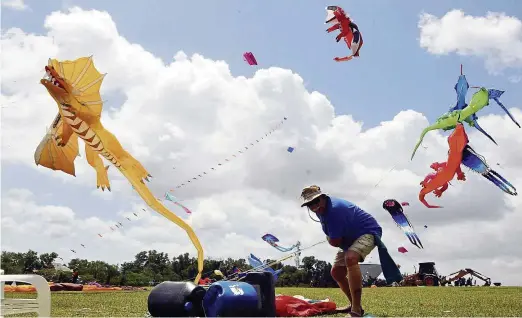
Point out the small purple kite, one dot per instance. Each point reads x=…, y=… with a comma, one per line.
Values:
x=249, y=58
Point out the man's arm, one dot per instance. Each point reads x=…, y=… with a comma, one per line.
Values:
x=336, y=242
x=335, y=233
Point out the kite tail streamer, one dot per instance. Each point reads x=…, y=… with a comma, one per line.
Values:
x=501, y=182
x=154, y=204
x=414, y=239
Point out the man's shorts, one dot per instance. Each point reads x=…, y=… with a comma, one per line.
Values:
x=362, y=246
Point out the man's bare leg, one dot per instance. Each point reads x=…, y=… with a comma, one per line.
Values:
x=354, y=280
x=339, y=275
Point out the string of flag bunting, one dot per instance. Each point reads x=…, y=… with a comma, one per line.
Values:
x=235, y=155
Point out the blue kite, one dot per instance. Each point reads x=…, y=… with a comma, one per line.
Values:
x=272, y=240
x=395, y=209
x=477, y=163
x=257, y=264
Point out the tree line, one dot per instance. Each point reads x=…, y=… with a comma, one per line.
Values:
x=153, y=267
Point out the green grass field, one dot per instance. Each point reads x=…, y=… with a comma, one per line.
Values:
x=379, y=302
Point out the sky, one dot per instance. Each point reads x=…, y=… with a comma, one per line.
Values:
x=180, y=99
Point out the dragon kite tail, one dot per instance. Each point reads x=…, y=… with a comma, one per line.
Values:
x=500, y=182
x=150, y=199
x=421, y=138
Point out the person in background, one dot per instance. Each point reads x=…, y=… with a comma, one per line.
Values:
x=75, y=276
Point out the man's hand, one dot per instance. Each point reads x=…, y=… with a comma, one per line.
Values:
x=334, y=242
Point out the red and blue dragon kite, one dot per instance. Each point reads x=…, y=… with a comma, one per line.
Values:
x=349, y=31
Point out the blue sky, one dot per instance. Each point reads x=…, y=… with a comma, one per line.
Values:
x=393, y=73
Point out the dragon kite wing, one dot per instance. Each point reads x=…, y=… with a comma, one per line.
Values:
x=395, y=209
x=56, y=152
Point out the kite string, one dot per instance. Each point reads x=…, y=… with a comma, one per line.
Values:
x=293, y=254
x=383, y=176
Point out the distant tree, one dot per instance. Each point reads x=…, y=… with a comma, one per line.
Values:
x=155, y=267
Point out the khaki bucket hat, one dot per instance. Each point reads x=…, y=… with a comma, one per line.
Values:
x=310, y=193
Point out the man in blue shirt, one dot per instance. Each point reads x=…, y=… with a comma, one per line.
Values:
x=352, y=230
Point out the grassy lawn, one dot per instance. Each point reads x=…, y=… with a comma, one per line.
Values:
x=379, y=302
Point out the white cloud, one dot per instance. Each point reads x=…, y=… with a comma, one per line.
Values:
x=208, y=114
x=15, y=4
x=496, y=37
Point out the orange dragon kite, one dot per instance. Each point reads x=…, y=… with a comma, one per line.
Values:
x=75, y=86
x=437, y=182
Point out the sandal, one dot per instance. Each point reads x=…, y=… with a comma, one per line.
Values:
x=345, y=309
x=354, y=314
x=348, y=310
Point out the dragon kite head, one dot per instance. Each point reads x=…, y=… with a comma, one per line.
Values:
x=335, y=14
x=56, y=85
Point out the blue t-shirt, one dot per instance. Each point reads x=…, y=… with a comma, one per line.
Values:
x=345, y=219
